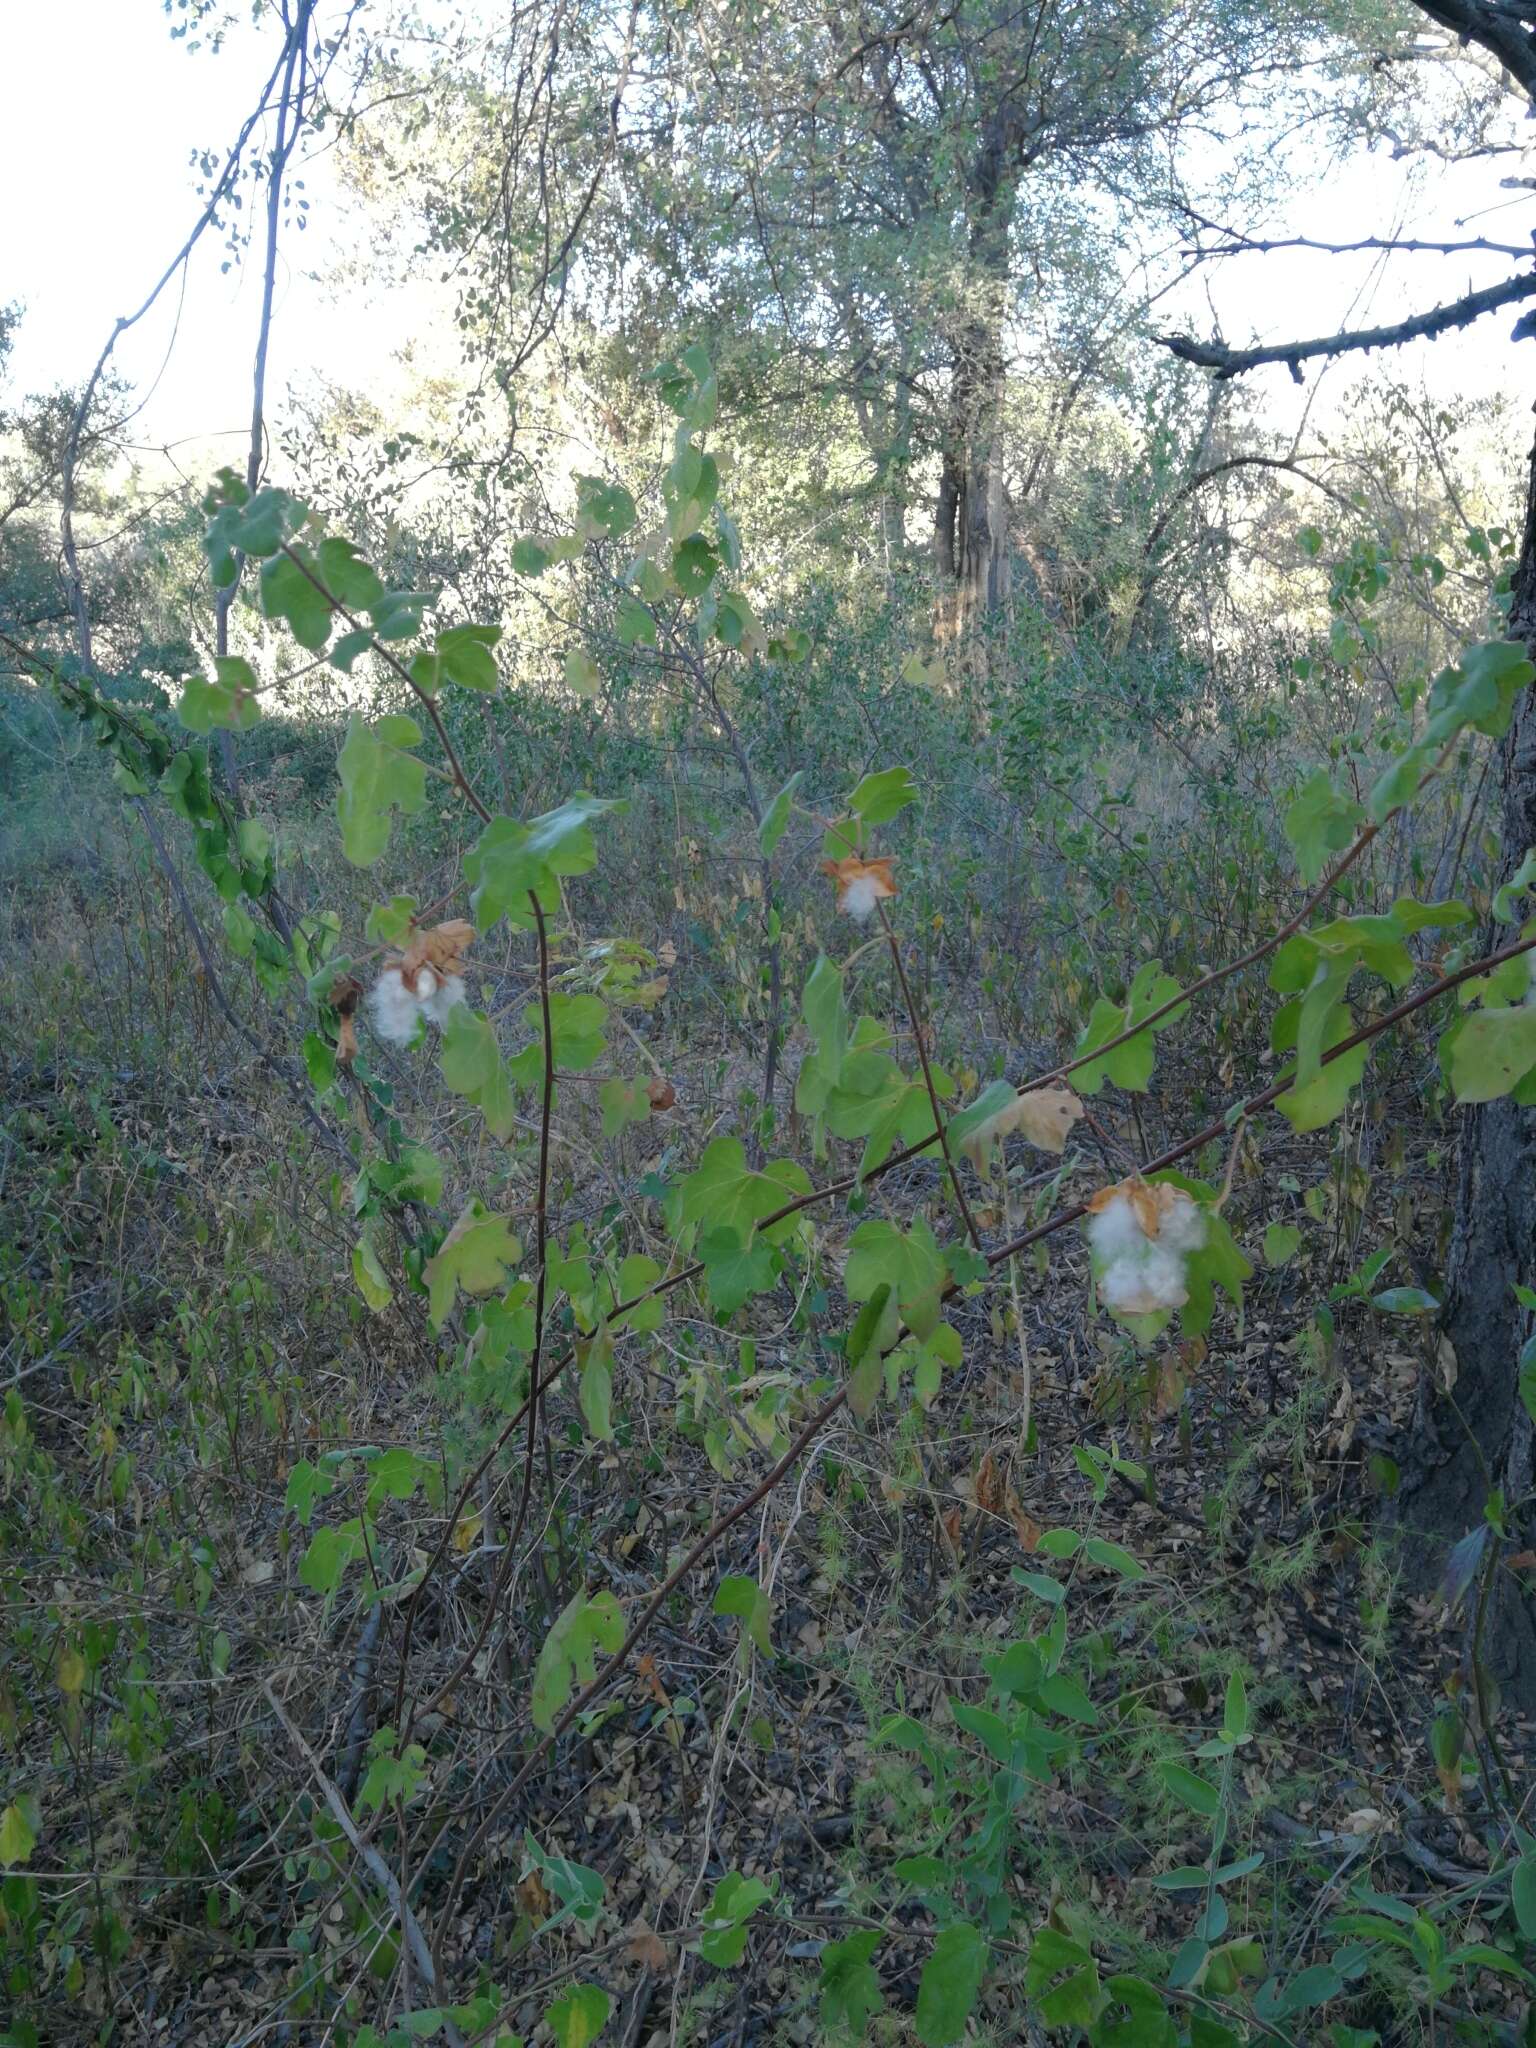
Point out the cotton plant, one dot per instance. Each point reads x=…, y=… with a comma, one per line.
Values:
x=424, y=982
x=1141, y=1238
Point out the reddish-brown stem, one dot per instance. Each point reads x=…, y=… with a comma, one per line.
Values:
x=933, y=1094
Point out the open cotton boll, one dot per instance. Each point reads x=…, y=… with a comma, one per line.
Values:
x=1183, y=1225
x=860, y=897
x=1144, y=1285
x=1116, y=1232
x=392, y=1007
x=443, y=997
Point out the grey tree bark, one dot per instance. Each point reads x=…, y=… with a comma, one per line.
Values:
x=1476, y=1434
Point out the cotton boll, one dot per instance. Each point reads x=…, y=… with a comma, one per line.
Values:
x=393, y=1008
x=1145, y=1285
x=1116, y=1232
x=1123, y=1289
x=1183, y=1225
x=1162, y=1271
x=443, y=998
x=859, y=897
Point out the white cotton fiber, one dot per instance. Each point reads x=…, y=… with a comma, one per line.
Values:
x=393, y=1008
x=859, y=897
x=1183, y=1225
x=443, y=997
x=1115, y=1233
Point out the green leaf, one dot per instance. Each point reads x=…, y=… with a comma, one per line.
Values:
x=1405, y=1301
x=582, y=674
x=1234, y=1717
x=744, y=1598
x=950, y=1985
x=1323, y=1098
x=349, y=579
x=605, y=511
x=464, y=656
x=20, y=1825
x=1492, y=1052
x=850, y=1993
x=909, y=1262
x=1061, y=1980
x=776, y=817
x=879, y=797
x=578, y=2016
x=1146, y=2021
x=474, y=1068
x=1196, y=1792
x=229, y=702
x=1063, y=1695
x=511, y=861
x=733, y=1270
x=569, y=1656
x=1522, y=1893
x=1321, y=822
x=372, y=1281
x=735, y=1900
x=862, y=1352
x=1130, y=1065
x=634, y=624
x=1114, y=1557
x=1281, y=1243
x=474, y=1256
x=695, y=565
x=288, y=591
x=1520, y=881
x=723, y=1192
x=623, y=1102
x=330, y=1552
x=595, y=1389
x=1311, y=1987
x=376, y=778
x=307, y=1484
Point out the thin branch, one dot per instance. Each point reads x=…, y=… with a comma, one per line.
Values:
x=371, y=1860
x=1232, y=362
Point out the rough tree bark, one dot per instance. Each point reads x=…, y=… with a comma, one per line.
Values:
x=1477, y=1434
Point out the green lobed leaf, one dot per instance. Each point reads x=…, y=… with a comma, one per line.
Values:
x=744, y=1598
x=377, y=777
x=474, y=1068
x=473, y=1257
x=578, y=2016
x=950, y=1984
x=583, y=1628
x=849, y=1992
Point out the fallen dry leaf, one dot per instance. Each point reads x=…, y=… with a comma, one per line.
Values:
x=1025, y=1527
x=660, y=1094
x=989, y=1486
x=646, y=1947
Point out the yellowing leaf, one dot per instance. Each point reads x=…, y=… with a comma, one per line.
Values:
x=70, y=1671
x=474, y=1255
x=1043, y=1116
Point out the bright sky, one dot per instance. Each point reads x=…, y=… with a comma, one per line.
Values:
x=92, y=214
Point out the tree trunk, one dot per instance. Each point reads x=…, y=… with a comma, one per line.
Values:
x=1478, y=1435
x=971, y=522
